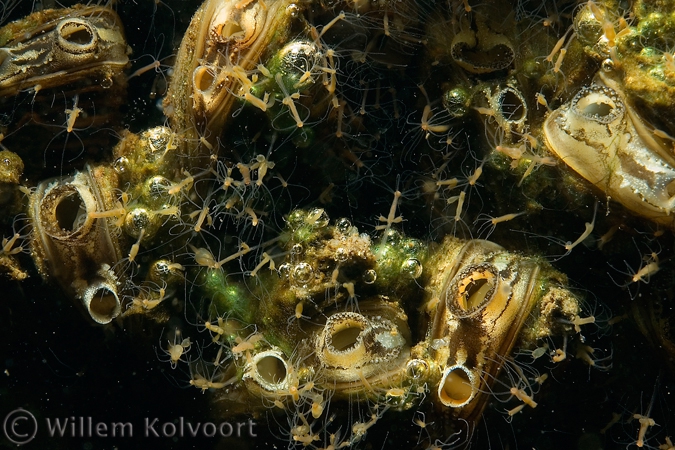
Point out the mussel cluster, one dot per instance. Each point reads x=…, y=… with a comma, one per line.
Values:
x=307, y=216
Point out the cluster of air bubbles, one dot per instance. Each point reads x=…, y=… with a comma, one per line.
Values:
x=297, y=272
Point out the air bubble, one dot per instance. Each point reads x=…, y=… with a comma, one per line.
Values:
x=106, y=83
x=317, y=217
x=607, y=65
x=341, y=254
x=392, y=236
x=369, y=276
x=302, y=274
x=412, y=267
x=136, y=221
x=296, y=252
x=343, y=225
x=293, y=10
x=121, y=165
x=417, y=368
x=284, y=271
x=158, y=187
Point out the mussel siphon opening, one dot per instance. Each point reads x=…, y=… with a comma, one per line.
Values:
x=69, y=212
x=76, y=36
x=231, y=30
x=80, y=35
x=347, y=337
x=456, y=388
x=474, y=293
x=271, y=369
x=203, y=78
x=343, y=340
x=598, y=103
x=472, y=290
x=511, y=105
x=103, y=305
x=598, y=107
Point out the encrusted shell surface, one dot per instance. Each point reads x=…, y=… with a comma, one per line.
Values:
x=599, y=136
